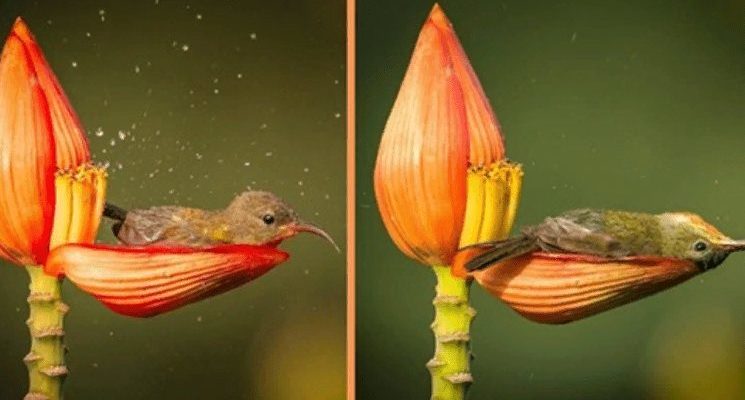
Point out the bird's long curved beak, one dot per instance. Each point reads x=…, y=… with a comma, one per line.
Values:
x=734, y=245
x=301, y=226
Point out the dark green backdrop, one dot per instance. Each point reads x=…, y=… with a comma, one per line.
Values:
x=620, y=104
x=210, y=97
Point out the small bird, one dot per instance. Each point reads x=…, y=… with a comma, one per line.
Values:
x=614, y=235
x=252, y=217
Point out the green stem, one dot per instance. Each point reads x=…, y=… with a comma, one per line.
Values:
x=450, y=367
x=46, y=360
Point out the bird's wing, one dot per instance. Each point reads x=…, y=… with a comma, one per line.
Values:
x=161, y=225
x=577, y=232
x=569, y=234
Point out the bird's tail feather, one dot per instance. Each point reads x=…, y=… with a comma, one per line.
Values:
x=114, y=212
x=503, y=250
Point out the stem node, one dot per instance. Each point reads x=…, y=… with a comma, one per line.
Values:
x=46, y=359
x=450, y=367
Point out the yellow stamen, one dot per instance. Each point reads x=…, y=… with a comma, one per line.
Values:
x=475, y=187
x=491, y=207
x=514, y=174
x=62, y=209
x=80, y=196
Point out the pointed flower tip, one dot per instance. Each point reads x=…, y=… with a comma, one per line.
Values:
x=20, y=29
x=438, y=17
x=71, y=143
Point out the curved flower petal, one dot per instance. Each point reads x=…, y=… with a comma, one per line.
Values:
x=147, y=281
x=27, y=159
x=70, y=140
x=486, y=146
x=421, y=167
x=556, y=289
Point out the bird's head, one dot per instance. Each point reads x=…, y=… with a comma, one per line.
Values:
x=262, y=218
x=688, y=236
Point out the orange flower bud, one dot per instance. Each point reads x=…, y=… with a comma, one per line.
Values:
x=441, y=123
x=39, y=134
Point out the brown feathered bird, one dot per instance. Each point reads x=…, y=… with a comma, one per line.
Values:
x=252, y=217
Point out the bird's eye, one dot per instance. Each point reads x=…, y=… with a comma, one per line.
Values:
x=700, y=246
x=268, y=219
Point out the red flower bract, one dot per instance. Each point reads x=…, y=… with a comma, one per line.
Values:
x=147, y=281
x=39, y=134
x=561, y=288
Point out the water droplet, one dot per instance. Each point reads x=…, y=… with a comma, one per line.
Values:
x=122, y=135
x=247, y=163
x=253, y=36
x=74, y=64
x=268, y=154
x=99, y=132
x=199, y=16
x=337, y=115
x=185, y=47
x=239, y=76
x=137, y=69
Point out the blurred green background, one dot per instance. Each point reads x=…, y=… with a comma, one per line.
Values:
x=635, y=105
x=190, y=103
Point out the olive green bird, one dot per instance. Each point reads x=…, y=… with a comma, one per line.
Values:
x=615, y=235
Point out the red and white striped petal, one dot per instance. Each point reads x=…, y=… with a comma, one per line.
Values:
x=556, y=289
x=147, y=281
